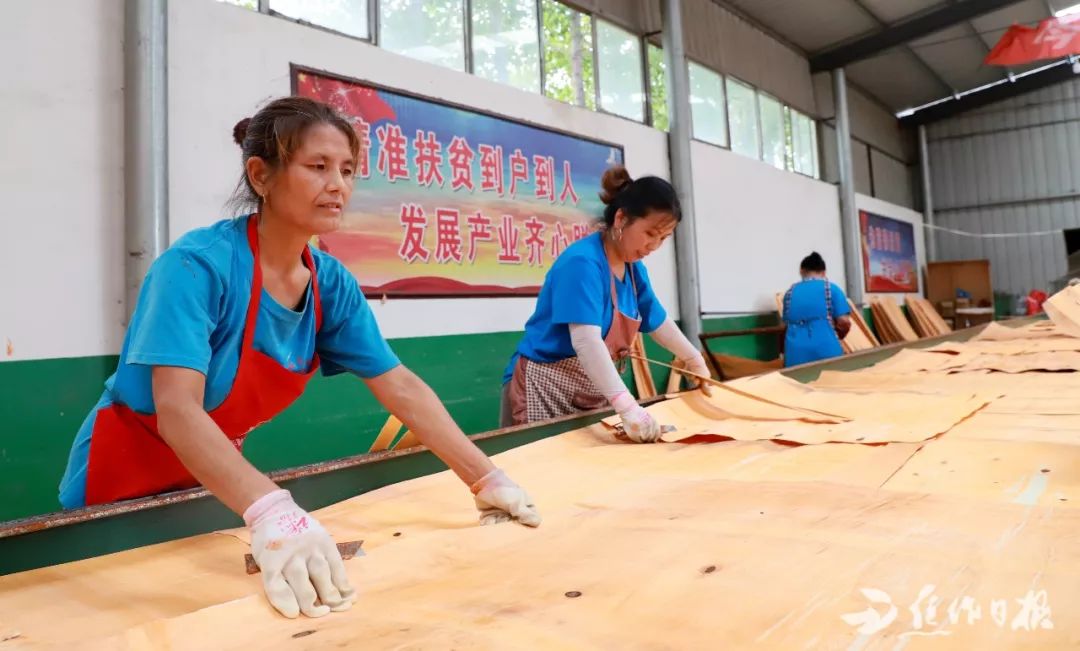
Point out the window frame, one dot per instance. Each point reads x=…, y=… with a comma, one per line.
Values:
x=784, y=109
x=757, y=115
x=723, y=100
x=264, y=8
x=642, y=65
x=592, y=43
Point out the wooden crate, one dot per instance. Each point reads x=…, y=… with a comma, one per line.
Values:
x=973, y=276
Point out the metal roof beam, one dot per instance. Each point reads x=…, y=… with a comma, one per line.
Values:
x=902, y=32
x=1019, y=86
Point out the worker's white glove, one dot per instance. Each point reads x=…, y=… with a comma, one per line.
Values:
x=499, y=499
x=638, y=424
x=670, y=337
x=698, y=366
x=302, y=570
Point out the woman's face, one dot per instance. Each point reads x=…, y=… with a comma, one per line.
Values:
x=313, y=189
x=642, y=236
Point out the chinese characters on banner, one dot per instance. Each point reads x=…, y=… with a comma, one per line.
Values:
x=454, y=202
x=890, y=263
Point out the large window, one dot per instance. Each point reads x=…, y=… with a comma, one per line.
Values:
x=505, y=42
x=774, y=140
x=707, y=105
x=345, y=16
x=568, y=55
x=658, y=88
x=621, y=84
x=428, y=30
x=742, y=112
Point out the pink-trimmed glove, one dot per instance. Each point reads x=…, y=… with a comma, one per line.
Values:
x=638, y=424
x=697, y=365
x=302, y=570
x=499, y=499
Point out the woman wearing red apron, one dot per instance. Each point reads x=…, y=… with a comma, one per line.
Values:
x=231, y=323
x=594, y=301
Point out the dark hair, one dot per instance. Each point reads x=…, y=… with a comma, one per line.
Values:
x=813, y=262
x=275, y=132
x=636, y=198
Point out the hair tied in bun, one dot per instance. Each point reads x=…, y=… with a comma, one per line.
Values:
x=615, y=180
x=239, y=132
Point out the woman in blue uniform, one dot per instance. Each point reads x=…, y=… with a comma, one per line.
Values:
x=816, y=315
x=594, y=301
x=231, y=322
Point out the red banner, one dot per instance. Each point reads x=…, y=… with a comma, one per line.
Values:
x=1052, y=39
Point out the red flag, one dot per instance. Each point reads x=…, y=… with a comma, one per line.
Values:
x=1052, y=39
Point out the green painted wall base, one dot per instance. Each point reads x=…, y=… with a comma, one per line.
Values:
x=45, y=401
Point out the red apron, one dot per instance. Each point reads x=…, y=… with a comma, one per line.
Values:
x=129, y=459
x=541, y=391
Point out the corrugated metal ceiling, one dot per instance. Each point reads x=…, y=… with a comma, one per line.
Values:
x=909, y=75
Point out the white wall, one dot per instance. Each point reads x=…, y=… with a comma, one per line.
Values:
x=61, y=178
x=754, y=224
x=224, y=62
x=885, y=209
x=61, y=175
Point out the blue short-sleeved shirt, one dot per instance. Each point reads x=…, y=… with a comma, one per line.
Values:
x=809, y=336
x=577, y=289
x=191, y=313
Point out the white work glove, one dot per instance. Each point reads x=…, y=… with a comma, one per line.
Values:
x=670, y=337
x=499, y=499
x=302, y=570
x=637, y=423
x=697, y=365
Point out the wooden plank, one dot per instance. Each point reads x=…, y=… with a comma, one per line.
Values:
x=674, y=383
x=922, y=327
x=883, y=322
x=939, y=323
x=407, y=440
x=643, y=380
x=386, y=435
x=857, y=317
x=898, y=321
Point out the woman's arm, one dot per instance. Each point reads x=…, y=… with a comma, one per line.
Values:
x=200, y=444
x=670, y=337
x=842, y=325
x=413, y=402
x=302, y=570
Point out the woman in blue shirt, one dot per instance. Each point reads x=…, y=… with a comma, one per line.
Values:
x=816, y=314
x=594, y=301
x=231, y=322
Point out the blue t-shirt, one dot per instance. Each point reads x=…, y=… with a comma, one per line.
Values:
x=809, y=336
x=191, y=312
x=578, y=290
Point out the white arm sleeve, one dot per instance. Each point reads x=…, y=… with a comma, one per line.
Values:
x=596, y=360
x=670, y=337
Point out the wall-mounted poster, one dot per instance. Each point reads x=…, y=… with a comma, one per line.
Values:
x=890, y=263
x=454, y=202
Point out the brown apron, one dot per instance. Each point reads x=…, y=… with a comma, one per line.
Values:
x=541, y=391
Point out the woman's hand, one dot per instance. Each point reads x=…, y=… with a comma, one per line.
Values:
x=414, y=403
